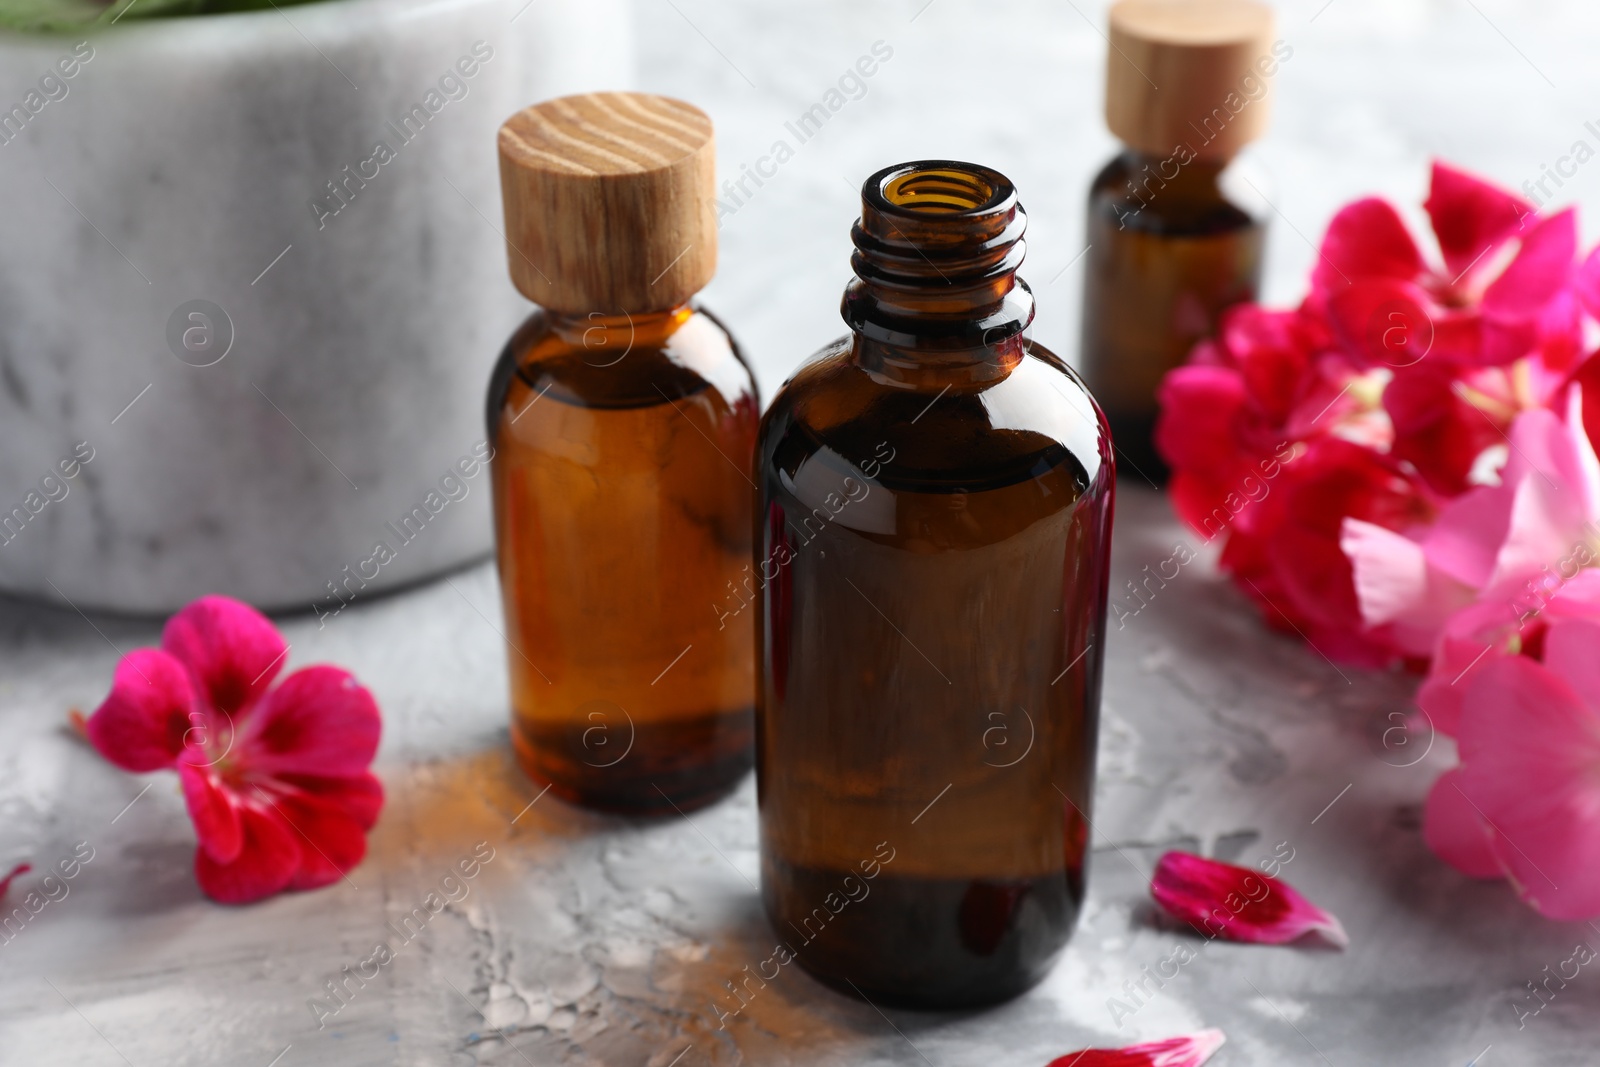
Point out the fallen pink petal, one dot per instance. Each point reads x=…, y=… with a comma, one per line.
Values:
x=1233, y=903
x=5, y=883
x=1190, y=1050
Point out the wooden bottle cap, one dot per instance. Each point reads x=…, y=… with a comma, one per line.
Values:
x=610, y=202
x=1189, y=72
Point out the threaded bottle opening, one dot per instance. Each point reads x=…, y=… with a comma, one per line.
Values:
x=940, y=190
x=938, y=245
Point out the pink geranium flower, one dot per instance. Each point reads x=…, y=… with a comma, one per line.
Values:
x=1477, y=634
x=1489, y=302
x=1488, y=543
x=1525, y=802
x=276, y=780
x=1238, y=904
x=1190, y=1050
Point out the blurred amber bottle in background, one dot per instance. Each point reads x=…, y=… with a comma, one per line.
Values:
x=623, y=420
x=934, y=531
x=1177, y=222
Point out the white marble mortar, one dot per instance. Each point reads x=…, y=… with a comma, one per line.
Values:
x=182, y=161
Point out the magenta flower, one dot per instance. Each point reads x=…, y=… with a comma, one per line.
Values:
x=1190, y=1050
x=1525, y=802
x=275, y=780
x=1237, y=903
x=1488, y=303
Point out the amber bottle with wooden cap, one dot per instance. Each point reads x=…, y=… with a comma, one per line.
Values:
x=623, y=422
x=933, y=537
x=1177, y=220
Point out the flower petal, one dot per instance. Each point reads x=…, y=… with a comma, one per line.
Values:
x=1435, y=429
x=1333, y=481
x=1238, y=903
x=1587, y=283
x=1195, y=430
x=1542, y=268
x=1365, y=239
x=331, y=842
x=1384, y=322
x=1572, y=651
x=1190, y=1050
x=232, y=650
x=1456, y=832
x=142, y=724
x=269, y=858
x=360, y=798
x=1530, y=750
x=1470, y=216
x=216, y=818
x=320, y=721
x=5, y=883
x=1465, y=643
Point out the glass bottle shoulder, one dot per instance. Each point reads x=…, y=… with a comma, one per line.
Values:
x=1178, y=195
x=961, y=437
x=620, y=361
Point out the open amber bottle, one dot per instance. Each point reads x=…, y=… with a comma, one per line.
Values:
x=623, y=420
x=1176, y=222
x=933, y=537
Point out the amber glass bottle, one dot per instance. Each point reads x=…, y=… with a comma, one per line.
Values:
x=933, y=535
x=623, y=420
x=1176, y=221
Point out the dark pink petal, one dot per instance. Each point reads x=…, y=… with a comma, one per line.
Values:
x=1332, y=481
x=1530, y=764
x=1541, y=269
x=1470, y=216
x=1456, y=832
x=1190, y=1050
x=5, y=883
x=232, y=650
x=1237, y=903
x=1435, y=430
x=216, y=819
x=1271, y=350
x=1586, y=380
x=320, y=721
x=1560, y=329
x=1199, y=406
x=269, y=859
x=360, y=797
x=1384, y=322
x=1365, y=239
x=331, y=842
x=1587, y=283
x=142, y=724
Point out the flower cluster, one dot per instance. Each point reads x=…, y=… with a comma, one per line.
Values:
x=1401, y=470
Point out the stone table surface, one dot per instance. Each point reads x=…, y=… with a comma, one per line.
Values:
x=596, y=940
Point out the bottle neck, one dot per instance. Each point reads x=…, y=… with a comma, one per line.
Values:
x=938, y=245
x=623, y=330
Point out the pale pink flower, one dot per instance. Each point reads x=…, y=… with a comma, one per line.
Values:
x=1487, y=544
x=1525, y=802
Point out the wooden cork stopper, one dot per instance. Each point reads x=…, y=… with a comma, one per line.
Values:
x=1190, y=72
x=609, y=202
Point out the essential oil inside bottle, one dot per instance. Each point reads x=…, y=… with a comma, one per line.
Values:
x=623, y=420
x=935, y=510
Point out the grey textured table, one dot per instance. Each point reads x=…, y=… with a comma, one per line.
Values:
x=589, y=940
